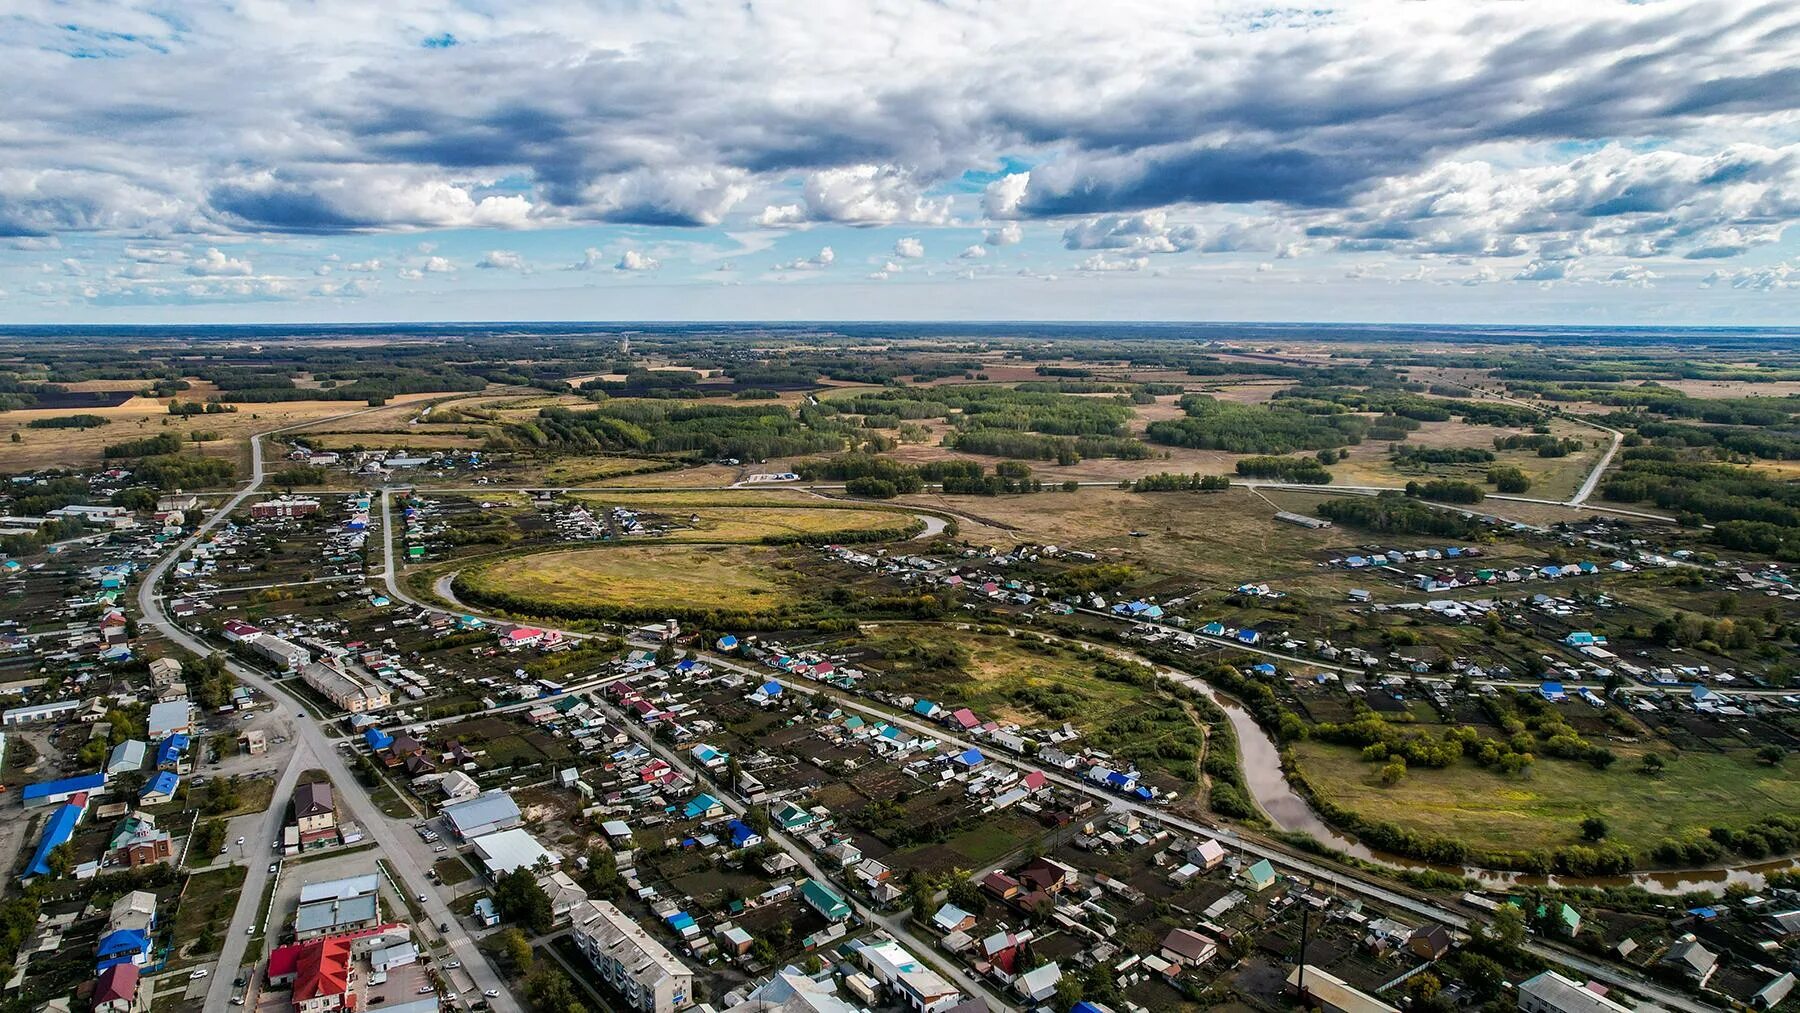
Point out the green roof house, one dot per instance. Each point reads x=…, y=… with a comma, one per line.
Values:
x=824, y=900
x=1260, y=876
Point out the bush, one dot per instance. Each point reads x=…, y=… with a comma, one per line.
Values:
x=1508, y=479
x=1444, y=490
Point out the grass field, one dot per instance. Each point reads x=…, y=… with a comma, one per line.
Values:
x=1545, y=809
x=692, y=521
x=993, y=673
x=649, y=577
x=1202, y=538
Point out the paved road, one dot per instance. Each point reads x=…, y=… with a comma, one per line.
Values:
x=405, y=853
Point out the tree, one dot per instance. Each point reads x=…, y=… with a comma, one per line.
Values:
x=548, y=991
x=519, y=898
x=514, y=948
x=1652, y=764
x=1771, y=754
x=603, y=874
x=1069, y=991
x=1509, y=926
x=1593, y=828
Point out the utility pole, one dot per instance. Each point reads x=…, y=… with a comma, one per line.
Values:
x=1305, y=938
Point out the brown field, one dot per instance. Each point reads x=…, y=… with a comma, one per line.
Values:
x=140, y=417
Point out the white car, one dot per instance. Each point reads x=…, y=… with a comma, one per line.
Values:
x=240, y=842
x=421, y=898
x=453, y=964
x=198, y=974
x=492, y=993
x=449, y=996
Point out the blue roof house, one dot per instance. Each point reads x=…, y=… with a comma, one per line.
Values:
x=160, y=789
x=970, y=757
x=742, y=835
x=703, y=805
x=57, y=832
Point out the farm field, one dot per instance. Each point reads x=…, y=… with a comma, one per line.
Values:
x=1545, y=809
x=143, y=417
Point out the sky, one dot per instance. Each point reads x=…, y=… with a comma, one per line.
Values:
x=1591, y=162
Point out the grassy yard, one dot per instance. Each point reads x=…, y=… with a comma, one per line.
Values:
x=452, y=871
x=1545, y=809
x=204, y=913
x=738, y=579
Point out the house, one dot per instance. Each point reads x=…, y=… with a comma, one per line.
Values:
x=918, y=986
x=1207, y=854
x=329, y=916
x=742, y=836
x=345, y=691
x=1429, y=942
x=791, y=818
x=505, y=850
x=703, y=806
x=285, y=655
x=1048, y=875
x=951, y=918
x=116, y=990
x=321, y=970
x=482, y=815
x=1770, y=995
x=38, y=712
x=169, y=718
x=486, y=913
x=47, y=793
x=824, y=900
x=1692, y=959
x=457, y=786
x=1550, y=992
x=630, y=960
x=129, y=926
x=137, y=841
x=1187, y=948
x=160, y=789
x=170, y=751
x=1330, y=993
x=127, y=756
x=58, y=830
x=1259, y=876
x=314, y=814
x=1000, y=885
x=1039, y=983
x=565, y=895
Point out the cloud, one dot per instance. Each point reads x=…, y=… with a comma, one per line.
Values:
x=501, y=260
x=909, y=248
x=1004, y=234
x=1520, y=133
x=216, y=264
x=1148, y=232
x=1002, y=198
x=438, y=265
x=1544, y=270
x=817, y=262
x=775, y=217
x=369, y=266
x=975, y=252
x=632, y=260
x=1101, y=264
x=870, y=195
x=1776, y=277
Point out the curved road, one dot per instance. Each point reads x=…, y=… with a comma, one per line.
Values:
x=407, y=856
